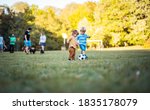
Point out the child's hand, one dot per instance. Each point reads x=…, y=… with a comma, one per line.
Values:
x=77, y=44
x=67, y=44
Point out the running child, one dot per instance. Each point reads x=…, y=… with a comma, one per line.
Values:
x=72, y=45
x=27, y=41
x=82, y=40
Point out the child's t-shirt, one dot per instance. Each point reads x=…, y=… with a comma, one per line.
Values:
x=43, y=39
x=12, y=40
x=72, y=42
x=82, y=38
x=1, y=40
x=27, y=33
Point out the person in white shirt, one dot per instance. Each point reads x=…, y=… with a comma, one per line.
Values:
x=2, y=43
x=42, y=42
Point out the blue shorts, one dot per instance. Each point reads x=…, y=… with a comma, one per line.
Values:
x=82, y=47
x=1, y=46
x=42, y=44
x=27, y=43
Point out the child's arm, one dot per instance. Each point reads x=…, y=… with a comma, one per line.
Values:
x=25, y=36
x=77, y=39
x=45, y=38
x=15, y=39
x=88, y=36
x=77, y=44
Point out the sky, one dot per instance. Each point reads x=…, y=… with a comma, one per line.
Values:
x=43, y=3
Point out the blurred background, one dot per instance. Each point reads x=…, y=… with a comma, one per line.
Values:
x=117, y=23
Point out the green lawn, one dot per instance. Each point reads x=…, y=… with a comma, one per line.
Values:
x=104, y=71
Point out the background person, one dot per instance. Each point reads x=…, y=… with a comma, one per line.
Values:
x=27, y=41
x=2, y=43
x=42, y=42
x=12, y=43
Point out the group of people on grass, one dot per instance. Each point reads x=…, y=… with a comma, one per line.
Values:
x=12, y=43
x=76, y=39
x=27, y=42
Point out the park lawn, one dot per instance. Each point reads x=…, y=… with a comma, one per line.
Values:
x=104, y=71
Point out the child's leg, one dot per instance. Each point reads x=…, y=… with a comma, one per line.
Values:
x=74, y=53
x=42, y=47
x=1, y=47
x=10, y=49
x=27, y=49
x=13, y=48
x=83, y=48
x=71, y=51
x=69, y=54
x=83, y=52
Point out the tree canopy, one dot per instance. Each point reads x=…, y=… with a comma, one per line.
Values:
x=114, y=21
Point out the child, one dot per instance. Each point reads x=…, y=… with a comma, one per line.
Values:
x=72, y=45
x=12, y=43
x=82, y=38
x=42, y=42
x=2, y=43
x=27, y=41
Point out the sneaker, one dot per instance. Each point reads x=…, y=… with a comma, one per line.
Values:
x=86, y=57
x=42, y=52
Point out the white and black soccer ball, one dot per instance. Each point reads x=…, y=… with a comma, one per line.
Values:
x=81, y=57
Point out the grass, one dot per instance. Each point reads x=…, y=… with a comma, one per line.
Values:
x=104, y=71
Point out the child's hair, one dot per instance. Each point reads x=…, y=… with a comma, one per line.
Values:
x=29, y=28
x=75, y=32
x=83, y=29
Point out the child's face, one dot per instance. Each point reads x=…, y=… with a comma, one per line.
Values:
x=75, y=35
x=82, y=32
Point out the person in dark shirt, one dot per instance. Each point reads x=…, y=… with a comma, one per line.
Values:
x=27, y=41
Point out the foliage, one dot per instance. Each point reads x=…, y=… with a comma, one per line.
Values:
x=147, y=44
x=116, y=22
x=127, y=18
x=20, y=7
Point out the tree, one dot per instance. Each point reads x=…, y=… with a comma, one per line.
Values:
x=116, y=22
x=128, y=19
x=5, y=19
x=20, y=7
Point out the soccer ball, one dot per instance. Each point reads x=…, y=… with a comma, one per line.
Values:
x=82, y=57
